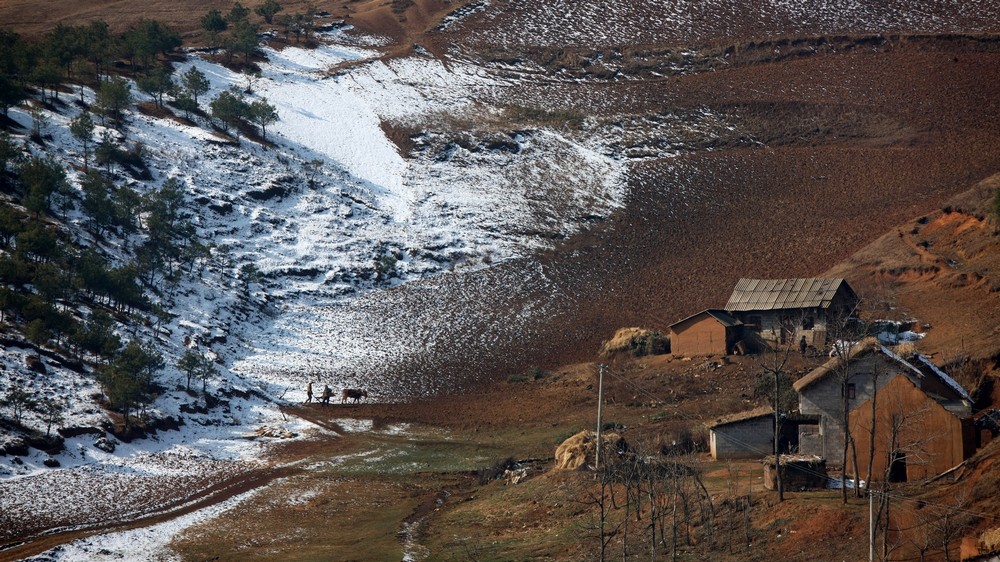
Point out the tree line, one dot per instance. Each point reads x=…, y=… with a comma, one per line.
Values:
x=233, y=31
x=85, y=55
x=44, y=274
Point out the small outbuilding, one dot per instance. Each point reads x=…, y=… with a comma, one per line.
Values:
x=709, y=332
x=798, y=472
x=743, y=435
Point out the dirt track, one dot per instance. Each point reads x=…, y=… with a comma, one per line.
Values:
x=215, y=494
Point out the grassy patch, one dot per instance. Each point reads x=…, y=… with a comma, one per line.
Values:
x=340, y=519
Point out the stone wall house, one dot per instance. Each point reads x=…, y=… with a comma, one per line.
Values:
x=783, y=311
x=854, y=376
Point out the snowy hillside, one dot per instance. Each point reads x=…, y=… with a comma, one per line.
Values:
x=332, y=212
x=313, y=240
x=451, y=205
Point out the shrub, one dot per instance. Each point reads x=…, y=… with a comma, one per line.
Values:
x=385, y=267
x=651, y=343
x=517, y=377
x=532, y=374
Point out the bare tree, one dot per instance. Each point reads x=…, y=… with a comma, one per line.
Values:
x=774, y=377
x=902, y=446
x=877, y=373
x=953, y=523
x=847, y=333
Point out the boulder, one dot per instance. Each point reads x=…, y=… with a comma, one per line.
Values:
x=16, y=446
x=105, y=444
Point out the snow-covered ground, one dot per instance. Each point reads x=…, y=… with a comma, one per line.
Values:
x=334, y=218
x=517, y=24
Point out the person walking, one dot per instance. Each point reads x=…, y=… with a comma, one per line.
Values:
x=803, y=346
x=309, y=392
x=327, y=393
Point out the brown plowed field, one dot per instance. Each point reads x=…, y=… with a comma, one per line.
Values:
x=836, y=148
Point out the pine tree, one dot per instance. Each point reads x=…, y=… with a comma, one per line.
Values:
x=98, y=45
x=156, y=83
x=214, y=23
x=267, y=10
x=97, y=201
x=128, y=379
x=112, y=98
x=18, y=400
x=243, y=40
x=196, y=365
x=230, y=108
x=82, y=129
x=263, y=114
x=195, y=83
x=40, y=179
x=11, y=94
x=10, y=152
x=146, y=39
x=52, y=413
x=238, y=13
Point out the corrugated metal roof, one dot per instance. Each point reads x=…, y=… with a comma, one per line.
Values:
x=944, y=377
x=779, y=294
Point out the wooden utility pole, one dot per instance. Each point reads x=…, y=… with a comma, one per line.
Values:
x=871, y=525
x=600, y=403
x=778, y=479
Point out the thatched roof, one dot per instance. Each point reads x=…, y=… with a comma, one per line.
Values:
x=781, y=294
x=760, y=412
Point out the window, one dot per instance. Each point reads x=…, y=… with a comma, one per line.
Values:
x=808, y=322
x=851, y=391
x=755, y=320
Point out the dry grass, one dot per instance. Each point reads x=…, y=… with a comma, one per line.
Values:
x=400, y=135
x=340, y=519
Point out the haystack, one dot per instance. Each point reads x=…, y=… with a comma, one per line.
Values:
x=578, y=451
x=991, y=539
x=635, y=341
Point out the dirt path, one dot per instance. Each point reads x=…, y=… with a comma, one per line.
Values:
x=210, y=496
